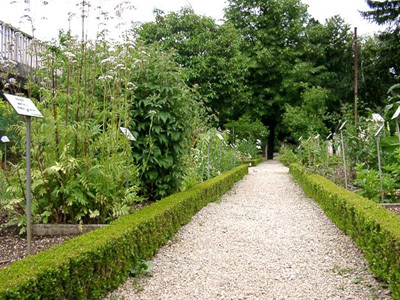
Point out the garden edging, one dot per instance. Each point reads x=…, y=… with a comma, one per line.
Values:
x=90, y=265
x=373, y=228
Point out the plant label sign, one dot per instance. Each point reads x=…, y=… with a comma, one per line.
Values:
x=220, y=136
x=377, y=118
x=23, y=106
x=341, y=127
x=379, y=131
x=396, y=114
x=127, y=133
x=5, y=139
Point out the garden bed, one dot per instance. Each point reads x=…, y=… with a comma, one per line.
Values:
x=88, y=266
x=13, y=247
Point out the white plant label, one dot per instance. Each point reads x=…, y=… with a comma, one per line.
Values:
x=23, y=106
x=127, y=133
x=5, y=139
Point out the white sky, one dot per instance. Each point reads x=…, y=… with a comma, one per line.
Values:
x=54, y=16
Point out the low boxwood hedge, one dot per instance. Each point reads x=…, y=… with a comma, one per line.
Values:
x=375, y=230
x=254, y=161
x=89, y=266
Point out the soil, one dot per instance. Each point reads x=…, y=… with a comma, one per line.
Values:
x=13, y=247
x=395, y=209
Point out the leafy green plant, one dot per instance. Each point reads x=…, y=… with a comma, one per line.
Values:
x=210, y=157
x=248, y=129
x=82, y=165
x=287, y=156
x=369, y=182
x=140, y=267
x=163, y=117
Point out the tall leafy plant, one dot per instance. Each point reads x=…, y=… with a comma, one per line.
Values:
x=82, y=166
x=163, y=116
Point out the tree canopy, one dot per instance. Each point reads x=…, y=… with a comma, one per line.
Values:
x=209, y=53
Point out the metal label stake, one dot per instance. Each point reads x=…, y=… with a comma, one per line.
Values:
x=25, y=107
x=5, y=140
x=317, y=146
x=343, y=155
x=128, y=134
x=396, y=119
x=221, y=138
x=327, y=149
x=377, y=135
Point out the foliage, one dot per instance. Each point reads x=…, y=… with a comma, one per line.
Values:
x=82, y=167
x=209, y=54
x=287, y=156
x=272, y=31
x=307, y=119
x=388, y=50
x=383, y=12
x=247, y=149
x=209, y=157
x=89, y=266
x=164, y=115
x=373, y=228
x=247, y=128
x=369, y=182
x=329, y=49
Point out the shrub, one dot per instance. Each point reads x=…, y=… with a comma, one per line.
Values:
x=373, y=228
x=245, y=128
x=287, y=156
x=89, y=266
x=162, y=120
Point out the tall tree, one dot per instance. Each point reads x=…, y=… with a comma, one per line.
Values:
x=274, y=35
x=329, y=48
x=210, y=54
x=387, y=13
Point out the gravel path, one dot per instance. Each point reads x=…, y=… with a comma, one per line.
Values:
x=265, y=239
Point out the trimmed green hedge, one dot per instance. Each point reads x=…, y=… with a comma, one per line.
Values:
x=255, y=161
x=374, y=229
x=88, y=266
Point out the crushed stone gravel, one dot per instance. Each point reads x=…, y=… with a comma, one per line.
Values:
x=265, y=239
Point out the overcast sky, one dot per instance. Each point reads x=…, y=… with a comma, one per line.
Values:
x=54, y=16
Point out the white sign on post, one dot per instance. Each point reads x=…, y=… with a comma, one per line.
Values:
x=5, y=139
x=396, y=114
x=379, y=130
x=23, y=106
x=377, y=118
x=341, y=127
x=127, y=133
